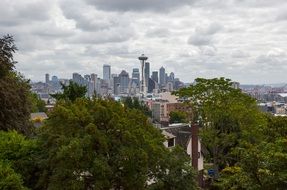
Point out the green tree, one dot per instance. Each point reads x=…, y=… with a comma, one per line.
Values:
x=261, y=164
x=98, y=144
x=179, y=174
x=177, y=117
x=9, y=179
x=38, y=105
x=71, y=92
x=134, y=103
x=7, y=48
x=225, y=115
x=18, y=158
x=14, y=91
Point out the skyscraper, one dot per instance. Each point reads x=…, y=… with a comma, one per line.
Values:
x=147, y=73
x=106, y=72
x=94, y=80
x=116, y=81
x=162, y=76
x=47, y=78
x=136, y=76
x=171, y=77
x=124, y=81
x=154, y=76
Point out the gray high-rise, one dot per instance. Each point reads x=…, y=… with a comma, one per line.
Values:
x=47, y=78
x=162, y=76
x=147, y=73
x=136, y=76
x=106, y=72
x=154, y=76
x=124, y=81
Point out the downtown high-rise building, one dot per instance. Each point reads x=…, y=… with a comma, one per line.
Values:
x=171, y=77
x=47, y=78
x=124, y=82
x=136, y=76
x=106, y=72
x=154, y=76
x=147, y=73
x=162, y=76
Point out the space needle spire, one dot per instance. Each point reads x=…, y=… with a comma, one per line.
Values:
x=143, y=87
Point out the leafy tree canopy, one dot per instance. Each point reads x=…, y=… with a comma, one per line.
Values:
x=260, y=165
x=134, y=103
x=71, y=92
x=17, y=161
x=225, y=114
x=14, y=91
x=98, y=144
x=7, y=48
x=177, y=117
x=38, y=105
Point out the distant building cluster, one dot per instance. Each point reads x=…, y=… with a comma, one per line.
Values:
x=271, y=98
x=140, y=83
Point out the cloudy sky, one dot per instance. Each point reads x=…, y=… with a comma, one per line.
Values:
x=245, y=40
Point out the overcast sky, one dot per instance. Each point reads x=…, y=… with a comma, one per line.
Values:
x=245, y=40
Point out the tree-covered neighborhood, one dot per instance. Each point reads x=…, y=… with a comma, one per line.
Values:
x=217, y=139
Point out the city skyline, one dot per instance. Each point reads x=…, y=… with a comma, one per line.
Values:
x=241, y=40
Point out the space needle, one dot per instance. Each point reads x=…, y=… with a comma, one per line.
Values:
x=143, y=87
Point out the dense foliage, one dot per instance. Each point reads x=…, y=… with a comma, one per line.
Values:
x=246, y=147
x=135, y=103
x=224, y=114
x=38, y=105
x=261, y=165
x=18, y=168
x=178, y=117
x=98, y=144
x=15, y=105
x=71, y=92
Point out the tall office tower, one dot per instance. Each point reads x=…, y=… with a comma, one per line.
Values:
x=136, y=76
x=112, y=83
x=116, y=84
x=87, y=77
x=162, y=76
x=166, y=79
x=47, y=78
x=55, y=79
x=171, y=76
x=94, y=78
x=124, y=82
x=143, y=87
x=106, y=72
x=147, y=73
x=154, y=76
x=77, y=78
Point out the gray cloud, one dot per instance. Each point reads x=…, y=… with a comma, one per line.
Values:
x=239, y=54
x=204, y=35
x=14, y=13
x=113, y=35
x=139, y=5
x=158, y=33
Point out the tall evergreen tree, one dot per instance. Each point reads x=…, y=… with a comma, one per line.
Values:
x=14, y=91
